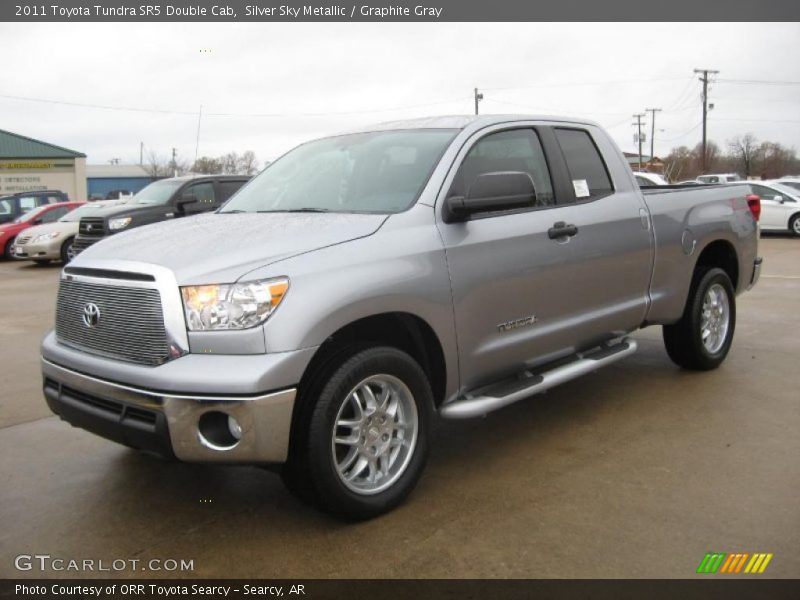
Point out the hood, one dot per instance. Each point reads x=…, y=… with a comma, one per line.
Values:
x=219, y=248
x=64, y=228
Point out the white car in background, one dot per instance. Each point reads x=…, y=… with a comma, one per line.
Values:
x=780, y=206
x=718, y=178
x=792, y=182
x=645, y=179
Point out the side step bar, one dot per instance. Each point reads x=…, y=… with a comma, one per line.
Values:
x=485, y=400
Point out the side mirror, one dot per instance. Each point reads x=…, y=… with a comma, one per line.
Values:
x=186, y=198
x=501, y=190
x=779, y=198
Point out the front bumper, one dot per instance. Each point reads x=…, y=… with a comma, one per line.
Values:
x=168, y=423
x=50, y=250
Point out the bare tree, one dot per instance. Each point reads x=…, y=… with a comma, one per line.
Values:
x=248, y=163
x=156, y=166
x=207, y=165
x=775, y=160
x=744, y=151
x=678, y=164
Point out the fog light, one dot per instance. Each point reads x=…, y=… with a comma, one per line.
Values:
x=218, y=430
x=234, y=428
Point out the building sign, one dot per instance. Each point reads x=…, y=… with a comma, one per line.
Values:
x=32, y=165
x=33, y=174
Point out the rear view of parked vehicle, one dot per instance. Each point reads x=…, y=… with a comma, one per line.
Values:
x=719, y=178
x=53, y=240
x=43, y=214
x=14, y=206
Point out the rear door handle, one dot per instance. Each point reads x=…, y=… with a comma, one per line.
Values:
x=560, y=230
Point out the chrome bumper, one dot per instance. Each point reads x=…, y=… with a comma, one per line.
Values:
x=265, y=419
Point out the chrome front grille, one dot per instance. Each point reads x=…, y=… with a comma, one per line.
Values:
x=92, y=226
x=126, y=323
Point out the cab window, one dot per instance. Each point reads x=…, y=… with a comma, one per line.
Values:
x=587, y=170
x=515, y=150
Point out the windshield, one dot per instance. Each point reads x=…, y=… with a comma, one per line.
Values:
x=158, y=192
x=31, y=214
x=785, y=189
x=377, y=172
x=6, y=206
x=795, y=185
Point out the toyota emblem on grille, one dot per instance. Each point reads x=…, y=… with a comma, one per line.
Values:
x=89, y=227
x=91, y=314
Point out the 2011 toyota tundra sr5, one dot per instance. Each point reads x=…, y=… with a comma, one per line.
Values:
x=365, y=282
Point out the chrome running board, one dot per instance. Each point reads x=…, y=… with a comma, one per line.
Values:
x=486, y=399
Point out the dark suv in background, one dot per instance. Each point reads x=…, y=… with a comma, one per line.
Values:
x=13, y=206
x=159, y=201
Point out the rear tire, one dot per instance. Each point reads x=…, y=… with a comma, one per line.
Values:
x=360, y=442
x=700, y=341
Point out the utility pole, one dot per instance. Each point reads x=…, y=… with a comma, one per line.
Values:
x=197, y=142
x=704, y=79
x=638, y=124
x=478, y=98
x=141, y=153
x=174, y=162
x=652, y=112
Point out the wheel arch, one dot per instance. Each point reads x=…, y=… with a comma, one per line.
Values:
x=402, y=330
x=720, y=253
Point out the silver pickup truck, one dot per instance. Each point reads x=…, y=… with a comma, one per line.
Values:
x=366, y=282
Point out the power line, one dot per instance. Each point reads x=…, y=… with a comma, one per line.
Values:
x=582, y=83
x=224, y=114
x=758, y=82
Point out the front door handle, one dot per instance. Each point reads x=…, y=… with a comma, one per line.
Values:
x=560, y=230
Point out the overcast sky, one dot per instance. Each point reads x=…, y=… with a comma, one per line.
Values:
x=281, y=84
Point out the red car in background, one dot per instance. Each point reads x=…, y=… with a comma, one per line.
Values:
x=37, y=216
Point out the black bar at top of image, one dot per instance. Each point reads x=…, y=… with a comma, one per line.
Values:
x=711, y=588
x=399, y=11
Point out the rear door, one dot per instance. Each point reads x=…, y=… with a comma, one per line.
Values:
x=613, y=247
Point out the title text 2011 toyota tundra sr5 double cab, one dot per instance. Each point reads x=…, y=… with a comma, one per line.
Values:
x=365, y=282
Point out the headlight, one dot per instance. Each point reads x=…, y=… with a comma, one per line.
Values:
x=46, y=237
x=121, y=223
x=232, y=306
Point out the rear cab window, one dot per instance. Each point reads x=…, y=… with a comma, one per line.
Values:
x=588, y=172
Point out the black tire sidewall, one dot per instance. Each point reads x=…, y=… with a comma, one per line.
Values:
x=7, y=248
x=65, y=249
x=792, y=221
x=706, y=280
x=331, y=492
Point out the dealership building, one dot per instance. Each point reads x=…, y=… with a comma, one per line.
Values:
x=27, y=165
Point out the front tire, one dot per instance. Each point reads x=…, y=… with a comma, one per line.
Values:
x=7, y=250
x=794, y=225
x=67, y=254
x=363, y=442
x=700, y=341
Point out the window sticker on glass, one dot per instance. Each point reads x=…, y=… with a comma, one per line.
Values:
x=581, y=188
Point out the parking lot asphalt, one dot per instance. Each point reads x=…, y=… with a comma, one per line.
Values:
x=634, y=471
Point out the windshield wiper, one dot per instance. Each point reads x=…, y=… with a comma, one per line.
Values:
x=296, y=210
